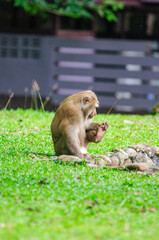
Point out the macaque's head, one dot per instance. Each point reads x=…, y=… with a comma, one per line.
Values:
x=89, y=104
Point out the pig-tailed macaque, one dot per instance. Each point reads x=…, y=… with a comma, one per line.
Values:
x=72, y=127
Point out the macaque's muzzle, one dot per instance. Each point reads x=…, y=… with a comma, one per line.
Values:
x=93, y=113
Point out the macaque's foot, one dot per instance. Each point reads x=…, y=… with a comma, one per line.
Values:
x=104, y=126
x=96, y=135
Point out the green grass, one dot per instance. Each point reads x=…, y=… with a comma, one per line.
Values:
x=74, y=202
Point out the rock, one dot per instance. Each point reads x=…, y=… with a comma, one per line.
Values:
x=114, y=161
x=121, y=155
x=107, y=160
x=156, y=150
x=139, y=158
x=127, y=162
x=155, y=169
x=101, y=162
x=98, y=159
x=104, y=157
x=69, y=158
x=150, y=151
x=139, y=147
x=142, y=147
x=155, y=160
x=138, y=166
x=143, y=158
x=131, y=152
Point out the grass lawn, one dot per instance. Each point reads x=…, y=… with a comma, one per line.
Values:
x=42, y=199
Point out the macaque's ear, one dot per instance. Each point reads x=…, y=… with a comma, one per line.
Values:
x=86, y=100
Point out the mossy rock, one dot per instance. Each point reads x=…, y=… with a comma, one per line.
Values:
x=155, y=109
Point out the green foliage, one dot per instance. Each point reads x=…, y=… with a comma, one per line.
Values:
x=155, y=109
x=43, y=199
x=72, y=8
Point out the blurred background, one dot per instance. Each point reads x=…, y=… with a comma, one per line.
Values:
x=110, y=47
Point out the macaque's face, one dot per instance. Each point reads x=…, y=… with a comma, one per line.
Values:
x=89, y=105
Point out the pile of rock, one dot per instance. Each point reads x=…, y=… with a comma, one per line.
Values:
x=138, y=156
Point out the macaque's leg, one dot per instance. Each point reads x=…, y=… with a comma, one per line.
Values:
x=67, y=146
x=96, y=131
x=72, y=142
x=92, y=126
x=95, y=125
x=61, y=147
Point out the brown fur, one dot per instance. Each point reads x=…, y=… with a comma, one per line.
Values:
x=71, y=120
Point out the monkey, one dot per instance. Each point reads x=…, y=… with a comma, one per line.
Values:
x=73, y=122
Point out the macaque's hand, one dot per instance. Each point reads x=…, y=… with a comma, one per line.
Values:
x=96, y=135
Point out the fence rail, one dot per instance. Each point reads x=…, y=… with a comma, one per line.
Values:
x=114, y=69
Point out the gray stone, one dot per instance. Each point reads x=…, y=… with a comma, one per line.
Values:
x=127, y=162
x=140, y=157
x=155, y=169
x=101, y=162
x=131, y=152
x=156, y=150
x=138, y=166
x=139, y=147
x=142, y=147
x=107, y=160
x=103, y=157
x=150, y=151
x=121, y=155
x=155, y=160
x=143, y=158
x=69, y=158
x=114, y=161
